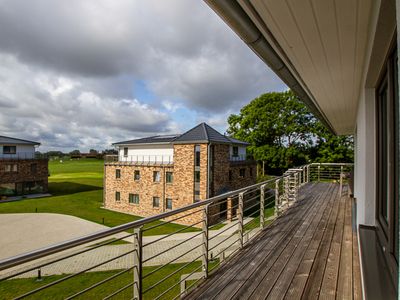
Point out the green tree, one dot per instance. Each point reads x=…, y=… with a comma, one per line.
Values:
x=283, y=133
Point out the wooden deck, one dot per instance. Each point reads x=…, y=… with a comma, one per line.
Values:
x=310, y=252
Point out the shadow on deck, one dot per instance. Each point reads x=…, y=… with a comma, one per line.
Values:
x=309, y=252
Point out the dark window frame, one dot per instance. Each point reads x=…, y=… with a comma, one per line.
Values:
x=167, y=201
x=136, y=175
x=133, y=198
x=169, y=177
x=117, y=173
x=156, y=202
x=117, y=196
x=9, y=147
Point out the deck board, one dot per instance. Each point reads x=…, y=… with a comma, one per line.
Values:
x=309, y=252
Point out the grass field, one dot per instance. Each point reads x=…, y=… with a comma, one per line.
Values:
x=9, y=289
x=77, y=189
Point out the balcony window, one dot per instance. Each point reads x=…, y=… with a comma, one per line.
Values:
x=117, y=173
x=197, y=156
x=117, y=196
x=169, y=203
x=235, y=151
x=33, y=168
x=196, y=176
x=134, y=198
x=169, y=177
x=9, y=149
x=156, y=201
x=126, y=151
x=156, y=176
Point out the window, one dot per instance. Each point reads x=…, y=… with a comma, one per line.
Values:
x=156, y=176
x=242, y=173
x=136, y=175
x=230, y=175
x=134, y=198
x=117, y=196
x=126, y=151
x=169, y=177
x=156, y=201
x=197, y=156
x=33, y=168
x=196, y=176
x=169, y=203
x=9, y=149
x=197, y=193
x=235, y=151
x=251, y=171
x=387, y=107
x=11, y=168
x=117, y=173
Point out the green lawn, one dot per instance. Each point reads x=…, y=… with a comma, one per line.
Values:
x=9, y=289
x=77, y=189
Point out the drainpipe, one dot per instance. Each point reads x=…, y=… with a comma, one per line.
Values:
x=208, y=171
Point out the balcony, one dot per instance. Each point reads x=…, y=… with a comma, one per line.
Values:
x=290, y=237
x=139, y=160
x=22, y=156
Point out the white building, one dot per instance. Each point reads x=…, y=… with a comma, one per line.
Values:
x=340, y=57
x=17, y=148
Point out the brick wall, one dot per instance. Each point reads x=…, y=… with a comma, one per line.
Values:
x=181, y=191
x=24, y=172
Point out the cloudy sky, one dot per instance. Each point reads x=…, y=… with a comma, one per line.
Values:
x=84, y=74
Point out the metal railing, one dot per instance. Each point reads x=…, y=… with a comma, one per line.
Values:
x=130, y=262
x=139, y=159
x=241, y=157
x=22, y=156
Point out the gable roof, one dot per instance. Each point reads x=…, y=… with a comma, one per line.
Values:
x=202, y=133
x=6, y=140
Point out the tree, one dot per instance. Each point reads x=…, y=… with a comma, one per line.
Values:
x=282, y=132
x=75, y=152
x=93, y=151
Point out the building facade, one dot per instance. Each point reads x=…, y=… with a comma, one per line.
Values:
x=21, y=170
x=155, y=174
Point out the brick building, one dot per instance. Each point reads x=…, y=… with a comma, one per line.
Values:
x=21, y=170
x=154, y=174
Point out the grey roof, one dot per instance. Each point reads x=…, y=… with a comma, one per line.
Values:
x=157, y=139
x=202, y=133
x=5, y=140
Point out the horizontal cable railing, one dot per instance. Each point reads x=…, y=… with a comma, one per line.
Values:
x=124, y=262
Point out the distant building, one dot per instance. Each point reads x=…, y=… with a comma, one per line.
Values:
x=21, y=170
x=151, y=175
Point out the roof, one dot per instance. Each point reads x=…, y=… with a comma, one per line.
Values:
x=202, y=133
x=157, y=139
x=5, y=140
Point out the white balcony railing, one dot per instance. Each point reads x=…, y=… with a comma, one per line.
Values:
x=22, y=156
x=140, y=159
x=239, y=157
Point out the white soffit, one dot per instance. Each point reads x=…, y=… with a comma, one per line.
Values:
x=326, y=42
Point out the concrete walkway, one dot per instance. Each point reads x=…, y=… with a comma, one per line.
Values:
x=53, y=228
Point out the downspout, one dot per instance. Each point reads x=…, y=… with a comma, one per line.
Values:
x=208, y=171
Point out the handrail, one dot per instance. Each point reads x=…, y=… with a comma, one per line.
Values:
x=36, y=254
x=251, y=203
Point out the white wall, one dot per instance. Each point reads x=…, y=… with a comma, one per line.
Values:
x=153, y=152
x=364, y=164
x=27, y=151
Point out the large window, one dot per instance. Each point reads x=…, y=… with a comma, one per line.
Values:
x=387, y=106
x=9, y=149
x=197, y=156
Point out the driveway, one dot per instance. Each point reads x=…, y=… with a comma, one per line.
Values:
x=20, y=233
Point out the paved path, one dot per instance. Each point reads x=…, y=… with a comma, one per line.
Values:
x=53, y=228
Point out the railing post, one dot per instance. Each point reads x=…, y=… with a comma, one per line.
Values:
x=262, y=204
x=308, y=173
x=240, y=220
x=229, y=209
x=137, y=264
x=276, y=198
x=205, y=242
x=319, y=171
x=296, y=187
x=304, y=175
x=341, y=180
